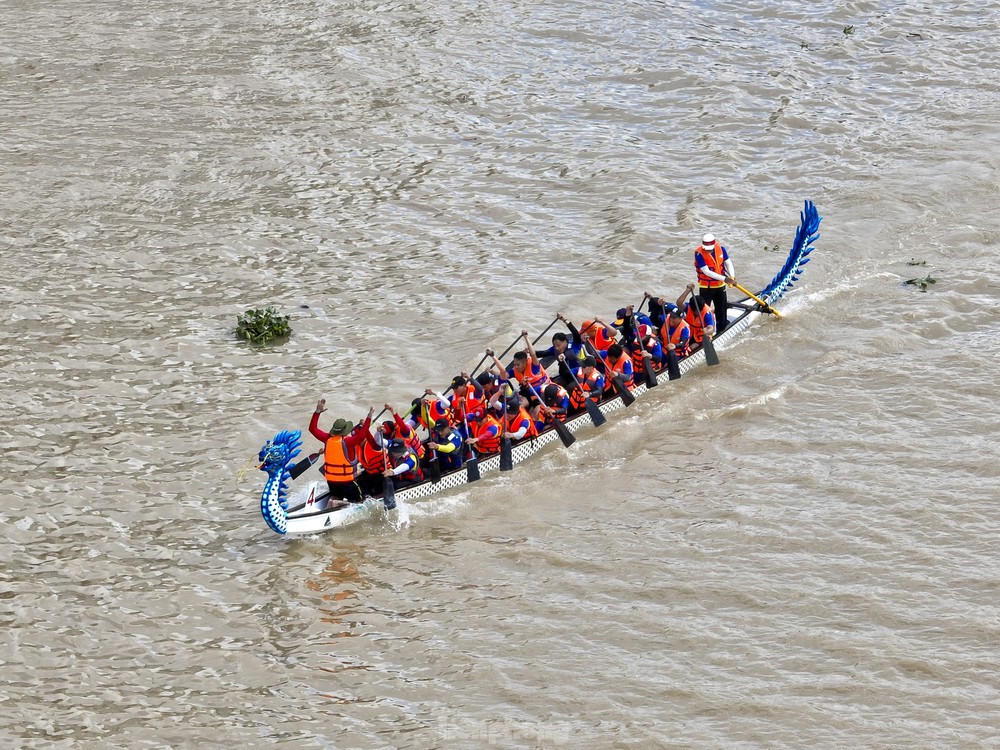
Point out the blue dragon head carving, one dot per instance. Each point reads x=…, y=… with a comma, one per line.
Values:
x=274, y=457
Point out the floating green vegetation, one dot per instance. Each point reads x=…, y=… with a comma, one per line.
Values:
x=923, y=283
x=913, y=262
x=775, y=248
x=261, y=325
x=848, y=30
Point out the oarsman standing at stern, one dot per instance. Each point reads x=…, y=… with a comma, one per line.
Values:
x=715, y=270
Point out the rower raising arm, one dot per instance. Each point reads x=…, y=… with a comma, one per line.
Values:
x=561, y=343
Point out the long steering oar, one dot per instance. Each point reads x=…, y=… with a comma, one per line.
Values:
x=711, y=356
x=389, y=490
x=763, y=304
x=567, y=437
x=592, y=408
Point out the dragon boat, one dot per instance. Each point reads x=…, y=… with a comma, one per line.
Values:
x=292, y=508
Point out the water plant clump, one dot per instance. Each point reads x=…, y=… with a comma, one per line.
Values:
x=923, y=282
x=262, y=325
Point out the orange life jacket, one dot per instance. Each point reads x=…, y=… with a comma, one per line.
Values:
x=713, y=261
x=696, y=322
x=337, y=464
x=537, y=378
x=516, y=421
x=437, y=411
x=487, y=443
x=619, y=368
x=673, y=336
x=600, y=339
x=372, y=458
x=408, y=435
x=467, y=405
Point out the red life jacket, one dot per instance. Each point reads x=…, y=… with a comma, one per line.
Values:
x=589, y=388
x=416, y=473
x=648, y=337
x=337, y=463
x=713, y=261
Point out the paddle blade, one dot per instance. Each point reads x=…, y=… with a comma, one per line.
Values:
x=472, y=469
x=673, y=369
x=711, y=357
x=506, y=455
x=595, y=413
x=389, y=494
x=650, y=374
x=298, y=469
x=435, y=467
x=627, y=398
x=567, y=437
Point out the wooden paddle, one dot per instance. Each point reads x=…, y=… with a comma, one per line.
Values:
x=711, y=357
x=567, y=437
x=547, y=329
x=485, y=356
x=647, y=362
x=506, y=449
x=434, y=465
x=673, y=368
x=507, y=350
x=616, y=380
x=471, y=461
x=389, y=489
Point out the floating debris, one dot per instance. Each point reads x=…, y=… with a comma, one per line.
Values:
x=923, y=283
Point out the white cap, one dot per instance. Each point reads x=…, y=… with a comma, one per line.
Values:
x=708, y=239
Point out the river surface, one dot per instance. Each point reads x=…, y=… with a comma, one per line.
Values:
x=796, y=549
